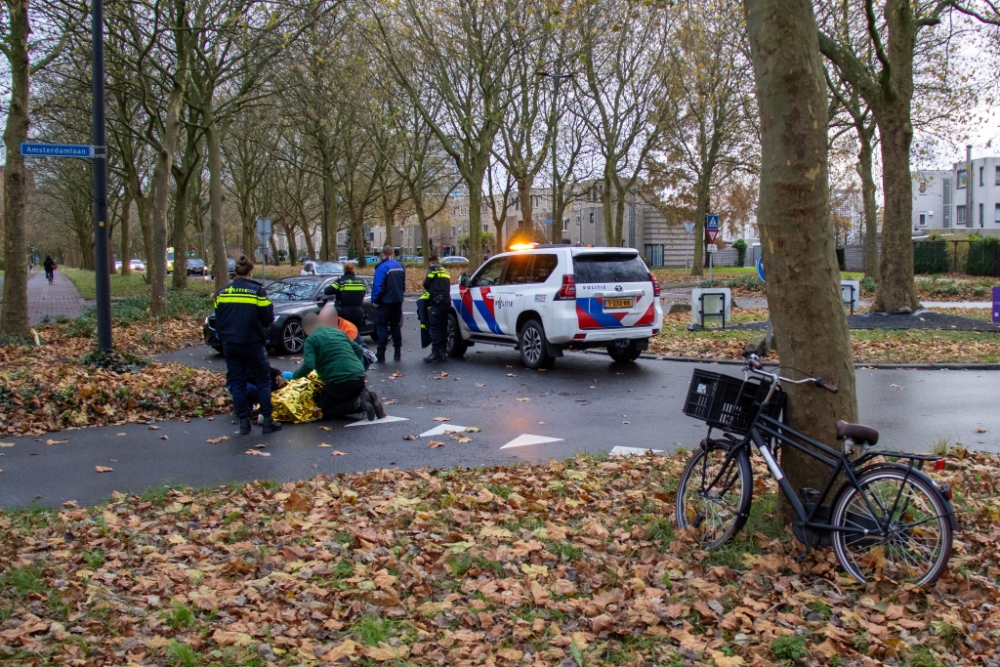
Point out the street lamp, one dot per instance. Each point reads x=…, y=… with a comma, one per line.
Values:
x=557, y=78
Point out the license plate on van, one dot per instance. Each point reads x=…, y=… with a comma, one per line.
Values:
x=613, y=304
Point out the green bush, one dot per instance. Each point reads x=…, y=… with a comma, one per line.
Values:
x=930, y=256
x=741, y=250
x=868, y=285
x=180, y=304
x=982, y=255
x=749, y=282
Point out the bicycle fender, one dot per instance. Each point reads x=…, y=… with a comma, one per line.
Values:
x=952, y=518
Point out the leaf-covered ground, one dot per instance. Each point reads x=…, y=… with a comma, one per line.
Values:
x=869, y=346
x=566, y=564
x=50, y=388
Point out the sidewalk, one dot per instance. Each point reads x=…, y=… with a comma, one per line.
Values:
x=59, y=298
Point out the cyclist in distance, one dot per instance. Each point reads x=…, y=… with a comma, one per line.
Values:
x=50, y=268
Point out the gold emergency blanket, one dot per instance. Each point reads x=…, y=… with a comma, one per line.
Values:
x=294, y=403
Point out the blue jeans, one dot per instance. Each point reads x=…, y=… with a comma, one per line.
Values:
x=247, y=364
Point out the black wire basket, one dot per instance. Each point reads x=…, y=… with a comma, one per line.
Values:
x=729, y=403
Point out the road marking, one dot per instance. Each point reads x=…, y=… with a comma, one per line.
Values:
x=383, y=420
x=442, y=429
x=631, y=451
x=526, y=440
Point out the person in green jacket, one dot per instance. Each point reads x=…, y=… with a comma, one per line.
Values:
x=338, y=361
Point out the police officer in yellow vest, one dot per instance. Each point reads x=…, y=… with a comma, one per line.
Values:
x=438, y=285
x=349, y=292
x=243, y=317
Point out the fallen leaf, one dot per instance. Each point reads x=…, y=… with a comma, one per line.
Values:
x=50, y=441
x=6, y=444
x=326, y=428
x=103, y=469
x=154, y=428
x=397, y=374
x=511, y=375
x=215, y=441
x=409, y=437
x=120, y=435
x=337, y=452
x=480, y=384
x=323, y=444
x=473, y=429
x=523, y=399
x=261, y=446
x=254, y=452
x=163, y=437
x=434, y=444
x=980, y=430
x=442, y=419
x=461, y=438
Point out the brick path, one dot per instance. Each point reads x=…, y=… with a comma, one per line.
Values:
x=59, y=298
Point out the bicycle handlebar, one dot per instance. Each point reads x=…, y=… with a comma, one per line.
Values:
x=753, y=363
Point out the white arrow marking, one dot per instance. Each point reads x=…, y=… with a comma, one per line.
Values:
x=526, y=440
x=443, y=429
x=383, y=420
x=632, y=451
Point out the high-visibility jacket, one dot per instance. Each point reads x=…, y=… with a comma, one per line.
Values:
x=438, y=285
x=349, y=291
x=243, y=313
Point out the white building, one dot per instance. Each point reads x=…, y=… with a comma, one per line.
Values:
x=941, y=198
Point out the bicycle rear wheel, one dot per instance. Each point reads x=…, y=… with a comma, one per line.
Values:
x=917, y=545
x=714, y=493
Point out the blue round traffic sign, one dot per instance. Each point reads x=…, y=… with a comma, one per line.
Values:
x=760, y=268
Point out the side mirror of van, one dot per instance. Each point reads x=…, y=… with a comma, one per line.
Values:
x=464, y=279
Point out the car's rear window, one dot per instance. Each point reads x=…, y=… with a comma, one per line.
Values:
x=609, y=268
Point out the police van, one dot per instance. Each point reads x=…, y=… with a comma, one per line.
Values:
x=542, y=300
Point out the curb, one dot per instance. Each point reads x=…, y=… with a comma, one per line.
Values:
x=898, y=367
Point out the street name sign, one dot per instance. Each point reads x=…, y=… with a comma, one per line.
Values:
x=57, y=150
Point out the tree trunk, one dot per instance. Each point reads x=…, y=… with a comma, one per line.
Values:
x=356, y=242
x=476, y=219
x=213, y=140
x=700, y=212
x=143, y=206
x=896, y=291
x=868, y=200
x=803, y=280
x=157, y=262
x=606, y=205
x=182, y=189
x=307, y=237
x=14, y=313
x=328, y=235
x=524, y=186
x=126, y=235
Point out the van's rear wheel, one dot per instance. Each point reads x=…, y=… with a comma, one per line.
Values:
x=624, y=350
x=534, y=349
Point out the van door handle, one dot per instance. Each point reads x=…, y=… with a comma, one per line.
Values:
x=488, y=296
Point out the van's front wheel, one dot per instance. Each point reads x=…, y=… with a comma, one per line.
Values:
x=534, y=349
x=455, y=346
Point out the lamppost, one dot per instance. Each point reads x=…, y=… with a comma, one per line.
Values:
x=557, y=78
x=102, y=279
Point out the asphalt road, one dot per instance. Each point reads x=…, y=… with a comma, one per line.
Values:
x=584, y=404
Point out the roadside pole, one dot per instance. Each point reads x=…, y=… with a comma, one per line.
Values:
x=264, y=236
x=711, y=233
x=102, y=277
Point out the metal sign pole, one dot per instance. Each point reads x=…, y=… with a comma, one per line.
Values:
x=102, y=278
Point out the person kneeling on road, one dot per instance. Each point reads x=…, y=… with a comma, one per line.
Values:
x=337, y=361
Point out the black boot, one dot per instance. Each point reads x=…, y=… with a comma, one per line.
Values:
x=398, y=355
x=432, y=357
x=377, y=404
x=270, y=426
x=366, y=405
x=439, y=354
x=244, y=426
x=380, y=355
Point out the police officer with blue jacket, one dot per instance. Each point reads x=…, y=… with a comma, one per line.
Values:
x=243, y=317
x=387, y=297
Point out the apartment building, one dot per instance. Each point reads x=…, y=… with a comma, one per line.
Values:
x=941, y=199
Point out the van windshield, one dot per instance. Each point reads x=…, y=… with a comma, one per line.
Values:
x=609, y=268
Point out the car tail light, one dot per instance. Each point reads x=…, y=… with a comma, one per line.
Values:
x=579, y=336
x=568, y=289
x=939, y=464
x=656, y=285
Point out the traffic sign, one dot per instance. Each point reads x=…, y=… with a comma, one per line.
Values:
x=996, y=305
x=760, y=268
x=711, y=247
x=689, y=227
x=711, y=234
x=712, y=221
x=57, y=150
x=263, y=230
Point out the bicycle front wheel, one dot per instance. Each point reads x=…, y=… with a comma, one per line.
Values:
x=714, y=493
x=909, y=535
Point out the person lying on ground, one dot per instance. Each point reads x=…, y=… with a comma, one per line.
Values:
x=277, y=381
x=337, y=361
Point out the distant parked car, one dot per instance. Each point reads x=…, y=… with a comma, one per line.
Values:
x=137, y=265
x=305, y=258
x=230, y=265
x=292, y=298
x=118, y=266
x=373, y=260
x=322, y=269
x=455, y=259
x=196, y=267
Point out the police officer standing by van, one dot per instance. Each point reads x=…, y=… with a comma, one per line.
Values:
x=349, y=292
x=437, y=285
x=243, y=317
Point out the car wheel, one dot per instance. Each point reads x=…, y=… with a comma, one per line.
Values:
x=293, y=337
x=624, y=350
x=534, y=350
x=455, y=347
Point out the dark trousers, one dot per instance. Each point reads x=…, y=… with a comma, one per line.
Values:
x=353, y=314
x=247, y=364
x=388, y=317
x=340, y=399
x=437, y=323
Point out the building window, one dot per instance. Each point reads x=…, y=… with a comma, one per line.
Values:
x=961, y=180
x=981, y=215
x=981, y=171
x=923, y=219
x=998, y=175
x=591, y=217
x=453, y=231
x=565, y=225
x=960, y=216
x=996, y=213
x=922, y=186
x=946, y=216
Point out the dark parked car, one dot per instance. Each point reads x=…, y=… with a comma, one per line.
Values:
x=293, y=298
x=231, y=264
x=196, y=267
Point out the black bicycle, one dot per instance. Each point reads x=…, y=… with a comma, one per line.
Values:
x=888, y=518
